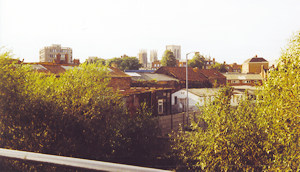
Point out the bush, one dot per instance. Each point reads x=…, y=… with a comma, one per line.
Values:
x=74, y=115
x=255, y=136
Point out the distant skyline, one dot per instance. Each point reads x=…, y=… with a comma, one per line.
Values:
x=227, y=30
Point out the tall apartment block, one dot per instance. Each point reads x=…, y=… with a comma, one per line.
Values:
x=176, y=49
x=56, y=53
x=153, y=56
x=143, y=57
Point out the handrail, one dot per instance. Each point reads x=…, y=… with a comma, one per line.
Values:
x=74, y=162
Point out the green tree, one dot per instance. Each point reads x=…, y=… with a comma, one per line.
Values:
x=168, y=59
x=116, y=61
x=219, y=67
x=231, y=141
x=130, y=63
x=96, y=60
x=279, y=108
x=197, y=61
x=76, y=115
x=125, y=63
x=254, y=136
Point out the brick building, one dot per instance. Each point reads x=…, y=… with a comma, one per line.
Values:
x=50, y=54
x=215, y=78
x=195, y=78
x=254, y=65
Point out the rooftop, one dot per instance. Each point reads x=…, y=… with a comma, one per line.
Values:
x=242, y=76
x=180, y=73
x=210, y=73
x=150, y=76
x=255, y=60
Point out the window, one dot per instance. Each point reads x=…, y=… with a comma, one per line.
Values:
x=160, y=106
x=175, y=100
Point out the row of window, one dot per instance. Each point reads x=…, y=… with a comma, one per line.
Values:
x=58, y=51
x=245, y=81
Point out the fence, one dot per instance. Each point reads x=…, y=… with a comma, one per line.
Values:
x=73, y=162
x=173, y=122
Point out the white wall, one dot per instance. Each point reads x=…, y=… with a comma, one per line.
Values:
x=195, y=100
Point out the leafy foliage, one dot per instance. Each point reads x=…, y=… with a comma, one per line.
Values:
x=168, y=59
x=279, y=106
x=197, y=61
x=125, y=63
x=219, y=67
x=75, y=115
x=256, y=135
x=96, y=60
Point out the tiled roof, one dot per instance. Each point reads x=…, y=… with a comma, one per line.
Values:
x=236, y=66
x=115, y=72
x=180, y=73
x=60, y=68
x=210, y=73
x=51, y=67
x=255, y=59
x=258, y=59
x=55, y=69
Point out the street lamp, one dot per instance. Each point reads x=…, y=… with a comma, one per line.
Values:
x=187, y=88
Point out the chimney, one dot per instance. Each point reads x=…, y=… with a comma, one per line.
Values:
x=66, y=58
x=255, y=56
x=58, y=58
x=76, y=61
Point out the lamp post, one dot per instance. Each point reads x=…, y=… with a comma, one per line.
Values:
x=187, y=89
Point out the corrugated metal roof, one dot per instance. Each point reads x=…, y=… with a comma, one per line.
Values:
x=204, y=91
x=67, y=67
x=132, y=74
x=241, y=76
x=160, y=77
x=150, y=76
x=140, y=71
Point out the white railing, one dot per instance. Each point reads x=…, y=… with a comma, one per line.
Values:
x=74, y=162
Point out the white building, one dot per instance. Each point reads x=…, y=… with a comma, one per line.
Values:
x=199, y=97
x=176, y=49
x=153, y=56
x=142, y=56
x=49, y=53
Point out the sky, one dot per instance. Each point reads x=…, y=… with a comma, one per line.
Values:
x=227, y=30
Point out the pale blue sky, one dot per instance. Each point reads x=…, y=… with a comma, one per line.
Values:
x=228, y=30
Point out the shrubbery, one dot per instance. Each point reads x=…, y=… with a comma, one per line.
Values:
x=257, y=135
x=75, y=115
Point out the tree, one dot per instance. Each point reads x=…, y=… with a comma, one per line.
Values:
x=168, y=59
x=130, y=63
x=125, y=63
x=116, y=62
x=96, y=60
x=76, y=115
x=279, y=109
x=197, y=61
x=231, y=141
x=219, y=67
x=254, y=136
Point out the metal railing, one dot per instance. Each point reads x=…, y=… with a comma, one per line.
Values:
x=74, y=162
